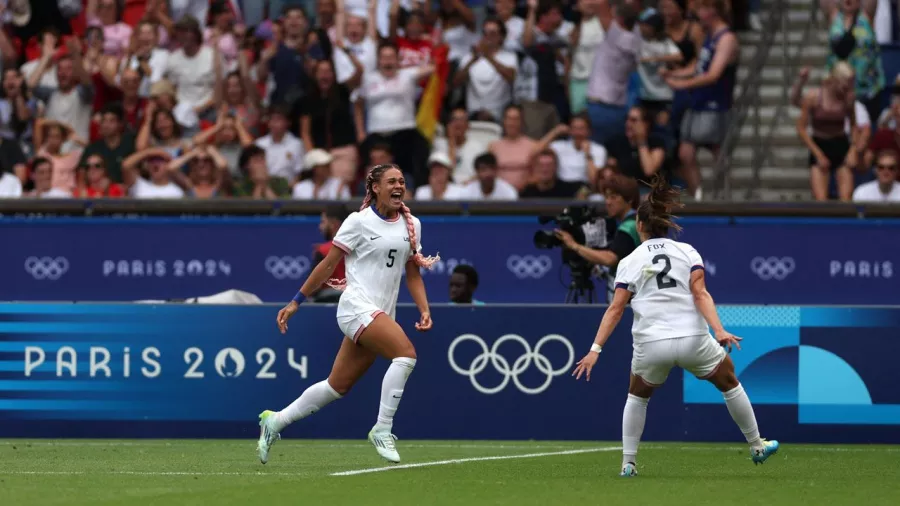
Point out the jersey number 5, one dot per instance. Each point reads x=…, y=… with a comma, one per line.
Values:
x=391, y=258
x=663, y=281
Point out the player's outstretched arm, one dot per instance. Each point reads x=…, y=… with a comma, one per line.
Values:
x=416, y=286
x=707, y=307
x=611, y=319
x=316, y=279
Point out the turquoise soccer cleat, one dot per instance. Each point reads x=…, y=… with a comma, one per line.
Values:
x=769, y=448
x=629, y=470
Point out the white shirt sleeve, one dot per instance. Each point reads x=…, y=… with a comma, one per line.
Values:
x=695, y=259
x=348, y=236
x=417, y=226
x=624, y=276
x=598, y=153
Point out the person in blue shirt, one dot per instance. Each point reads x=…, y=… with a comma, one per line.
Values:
x=463, y=283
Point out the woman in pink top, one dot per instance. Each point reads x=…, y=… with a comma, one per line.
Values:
x=221, y=32
x=513, y=150
x=51, y=136
x=116, y=35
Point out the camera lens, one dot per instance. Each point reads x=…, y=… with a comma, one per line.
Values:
x=545, y=239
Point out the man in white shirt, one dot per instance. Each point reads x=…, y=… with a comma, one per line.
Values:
x=284, y=151
x=462, y=149
x=72, y=102
x=488, y=72
x=192, y=68
x=885, y=188
x=488, y=186
x=579, y=157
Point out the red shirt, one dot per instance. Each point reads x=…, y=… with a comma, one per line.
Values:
x=885, y=139
x=413, y=53
x=114, y=190
x=339, y=271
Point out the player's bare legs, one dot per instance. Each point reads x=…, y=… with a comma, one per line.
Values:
x=351, y=363
x=633, y=419
x=385, y=338
x=741, y=410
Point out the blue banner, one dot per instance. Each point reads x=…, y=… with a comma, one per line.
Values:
x=136, y=370
x=749, y=260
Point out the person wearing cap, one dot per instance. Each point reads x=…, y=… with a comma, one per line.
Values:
x=155, y=163
x=657, y=52
x=316, y=181
x=439, y=186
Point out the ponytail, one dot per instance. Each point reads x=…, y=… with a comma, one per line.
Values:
x=656, y=212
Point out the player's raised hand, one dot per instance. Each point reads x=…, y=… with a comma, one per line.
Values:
x=424, y=323
x=285, y=314
x=727, y=339
x=585, y=365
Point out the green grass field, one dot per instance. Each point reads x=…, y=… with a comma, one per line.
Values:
x=223, y=473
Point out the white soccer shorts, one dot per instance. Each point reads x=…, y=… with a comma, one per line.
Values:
x=699, y=355
x=353, y=325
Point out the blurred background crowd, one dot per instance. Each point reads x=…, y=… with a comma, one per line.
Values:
x=474, y=99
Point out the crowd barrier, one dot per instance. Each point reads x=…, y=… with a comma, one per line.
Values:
x=814, y=374
x=749, y=260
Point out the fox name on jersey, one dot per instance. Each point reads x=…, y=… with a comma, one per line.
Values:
x=658, y=273
x=377, y=251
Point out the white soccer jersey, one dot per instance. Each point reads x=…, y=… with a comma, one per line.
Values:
x=377, y=251
x=658, y=273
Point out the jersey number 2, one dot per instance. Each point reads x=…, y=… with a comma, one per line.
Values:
x=391, y=257
x=662, y=281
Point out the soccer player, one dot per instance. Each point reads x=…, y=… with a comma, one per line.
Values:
x=377, y=243
x=673, y=311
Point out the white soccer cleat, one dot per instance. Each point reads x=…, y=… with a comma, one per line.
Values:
x=267, y=435
x=629, y=470
x=383, y=441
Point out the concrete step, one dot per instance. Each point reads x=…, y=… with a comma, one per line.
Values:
x=793, y=36
x=775, y=76
x=815, y=53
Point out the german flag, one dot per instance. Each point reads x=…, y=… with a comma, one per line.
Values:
x=433, y=98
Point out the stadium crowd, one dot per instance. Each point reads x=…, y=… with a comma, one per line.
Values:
x=475, y=100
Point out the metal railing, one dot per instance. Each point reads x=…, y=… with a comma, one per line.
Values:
x=748, y=105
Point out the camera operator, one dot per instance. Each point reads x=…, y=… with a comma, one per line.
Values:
x=622, y=200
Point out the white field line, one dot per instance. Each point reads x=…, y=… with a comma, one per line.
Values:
x=139, y=473
x=237, y=442
x=473, y=459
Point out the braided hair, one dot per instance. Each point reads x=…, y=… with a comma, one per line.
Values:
x=373, y=177
x=656, y=212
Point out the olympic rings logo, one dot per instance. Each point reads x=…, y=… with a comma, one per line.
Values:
x=528, y=266
x=772, y=267
x=46, y=267
x=519, y=365
x=287, y=267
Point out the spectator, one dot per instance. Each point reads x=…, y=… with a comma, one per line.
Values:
x=286, y=59
x=414, y=46
x=657, y=52
x=115, y=144
x=515, y=26
x=10, y=186
x=12, y=159
x=463, y=283
x=601, y=180
x=884, y=188
x=259, y=182
x=107, y=15
x=579, y=157
x=145, y=56
x=712, y=91
x=161, y=129
x=207, y=173
x=687, y=34
x=826, y=111
x=456, y=25
x=317, y=181
x=95, y=181
x=191, y=69
x=488, y=72
x=360, y=38
x=181, y=9
x=230, y=137
x=283, y=150
x=460, y=147
x=386, y=111
x=42, y=178
x=546, y=183
x=71, y=103
x=852, y=39
x=159, y=184
x=238, y=95
x=514, y=151
x=42, y=71
x=439, y=186
x=587, y=37
x=614, y=62
x=221, y=33
x=546, y=40
x=488, y=186
x=17, y=108
x=639, y=154
x=59, y=145
x=330, y=223
x=327, y=119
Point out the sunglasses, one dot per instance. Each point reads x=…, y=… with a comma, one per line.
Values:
x=886, y=167
x=94, y=165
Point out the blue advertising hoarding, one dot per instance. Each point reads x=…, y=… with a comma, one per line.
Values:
x=814, y=374
x=748, y=260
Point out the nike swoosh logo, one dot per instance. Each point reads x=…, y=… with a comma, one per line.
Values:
x=395, y=396
x=374, y=237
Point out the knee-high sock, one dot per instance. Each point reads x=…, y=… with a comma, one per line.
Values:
x=742, y=412
x=633, y=419
x=311, y=400
x=392, y=390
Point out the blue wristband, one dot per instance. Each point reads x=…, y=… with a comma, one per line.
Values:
x=299, y=298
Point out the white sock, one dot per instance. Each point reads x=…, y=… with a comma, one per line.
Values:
x=311, y=400
x=633, y=419
x=742, y=412
x=392, y=391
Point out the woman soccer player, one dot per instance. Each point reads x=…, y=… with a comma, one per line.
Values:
x=379, y=241
x=664, y=280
